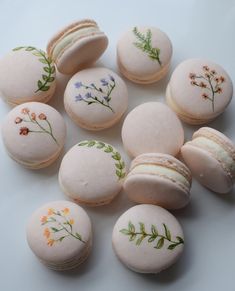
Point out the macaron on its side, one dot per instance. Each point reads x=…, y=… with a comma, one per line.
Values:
x=199, y=90
x=211, y=158
x=27, y=74
x=147, y=239
x=92, y=173
x=144, y=54
x=77, y=46
x=158, y=179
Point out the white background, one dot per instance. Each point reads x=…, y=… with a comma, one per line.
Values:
x=203, y=28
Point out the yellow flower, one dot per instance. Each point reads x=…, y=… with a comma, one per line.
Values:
x=44, y=219
x=65, y=211
x=71, y=221
x=50, y=242
x=50, y=211
x=46, y=233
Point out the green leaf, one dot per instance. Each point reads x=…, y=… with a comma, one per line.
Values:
x=30, y=48
x=142, y=227
x=37, y=54
x=171, y=247
x=53, y=69
x=125, y=231
x=51, y=79
x=18, y=48
x=46, y=69
x=91, y=143
x=151, y=239
x=90, y=102
x=167, y=232
x=116, y=156
x=180, y=239
x=131, y=227
x=83, y=143
x=123, y=175
x=43, y=61
x=44, y=77
x=108, y=149
x=119, y=173
x=61, y=238
x=154, y=230
x=78, y=236
x=54, y=229
x=132, y=237
x=39, y=83
x=118, y=166
x=160, y=243
x=139, y=240
x=100, y=145
x=45, y=88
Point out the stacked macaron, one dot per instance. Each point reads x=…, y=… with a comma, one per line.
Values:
x=146, y=238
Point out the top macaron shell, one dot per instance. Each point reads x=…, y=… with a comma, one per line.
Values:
x=78, y=45
x=200, y=89
x=150, y=128
x=96, y=98
x=139, y=63
x=48, y=245
x=26, y=74
x=33, y=132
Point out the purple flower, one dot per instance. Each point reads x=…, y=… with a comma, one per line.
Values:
x=104, y=82
x=111, y=78
x=88, y=95
x=78, y=85
x=78, y=97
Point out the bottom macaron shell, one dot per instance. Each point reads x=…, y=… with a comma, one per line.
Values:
x=147, y=239
x=206, y=169
x=157, y=190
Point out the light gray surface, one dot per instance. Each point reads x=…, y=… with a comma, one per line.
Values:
x=203, y=28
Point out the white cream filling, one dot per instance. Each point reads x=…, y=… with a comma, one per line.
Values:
x=218, y=150
x=65, y=41
x=161, y=171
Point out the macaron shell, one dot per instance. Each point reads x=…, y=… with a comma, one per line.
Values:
x=152, y=127
x=96, y=116
x=136, y=62
x=20, y=72
x=46, y=244
x=144, y=257
x=206, y=169
x=25, y=141
x=189, y=98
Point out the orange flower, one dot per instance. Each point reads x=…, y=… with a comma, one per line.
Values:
x=192, y=76
x=193, y=83
x=44, y=219
x=65, y=211
x=50, y=242
x=25, y=110
x=46, y=232
x=71, y=221
x=206, y=68
x=18, y=120
x=42, y=116
x=219, y=90
x=222, y=79
x=50, y=211
x=213, y=72
x=24, y=131
x=205, y=96
x=33, y=116
x=202, y=85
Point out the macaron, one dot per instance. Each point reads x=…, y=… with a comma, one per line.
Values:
x=60, y=235
x=92, y=173
x=199, y=90
x=27, y=74
x=158, y=179
x=152, y=127
x=34, y=134
x=96, y=98
x=77, y=45
x=210, y=156
x=144, y=54
x=147, y=239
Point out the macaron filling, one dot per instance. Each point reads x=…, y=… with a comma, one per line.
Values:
x=162, y=171
x=71, y=37
x=216, y=150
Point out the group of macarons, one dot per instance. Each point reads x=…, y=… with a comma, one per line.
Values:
x=146, y=238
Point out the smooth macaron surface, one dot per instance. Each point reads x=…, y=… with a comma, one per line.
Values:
x=33, y=134
x=147, y=239
x=144, y=54
x=199, y=90
x=27, y=74
x=158, y=179
x=150, y=128
x=59, y=233
x=77, y=46
x=96, y=98
x=92, y=173
x=211, y=158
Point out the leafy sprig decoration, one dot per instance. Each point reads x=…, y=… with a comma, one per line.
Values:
x=97, y=94
x=59, y=226
x=119, y=163
x=154, y=235
x=41, y=121
x=144, y=43
x=49, y=69
x=210, y=82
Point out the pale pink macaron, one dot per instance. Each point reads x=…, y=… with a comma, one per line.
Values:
x=27, y=74
x=152, y=127
x=144, y=54
x=199, y=90
x=158, y=179
x=211, y=158
x=147, y=239
x=77, y=46
x=60, y=235
x=92, y=173
x=96, y=98
x=34, y=134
